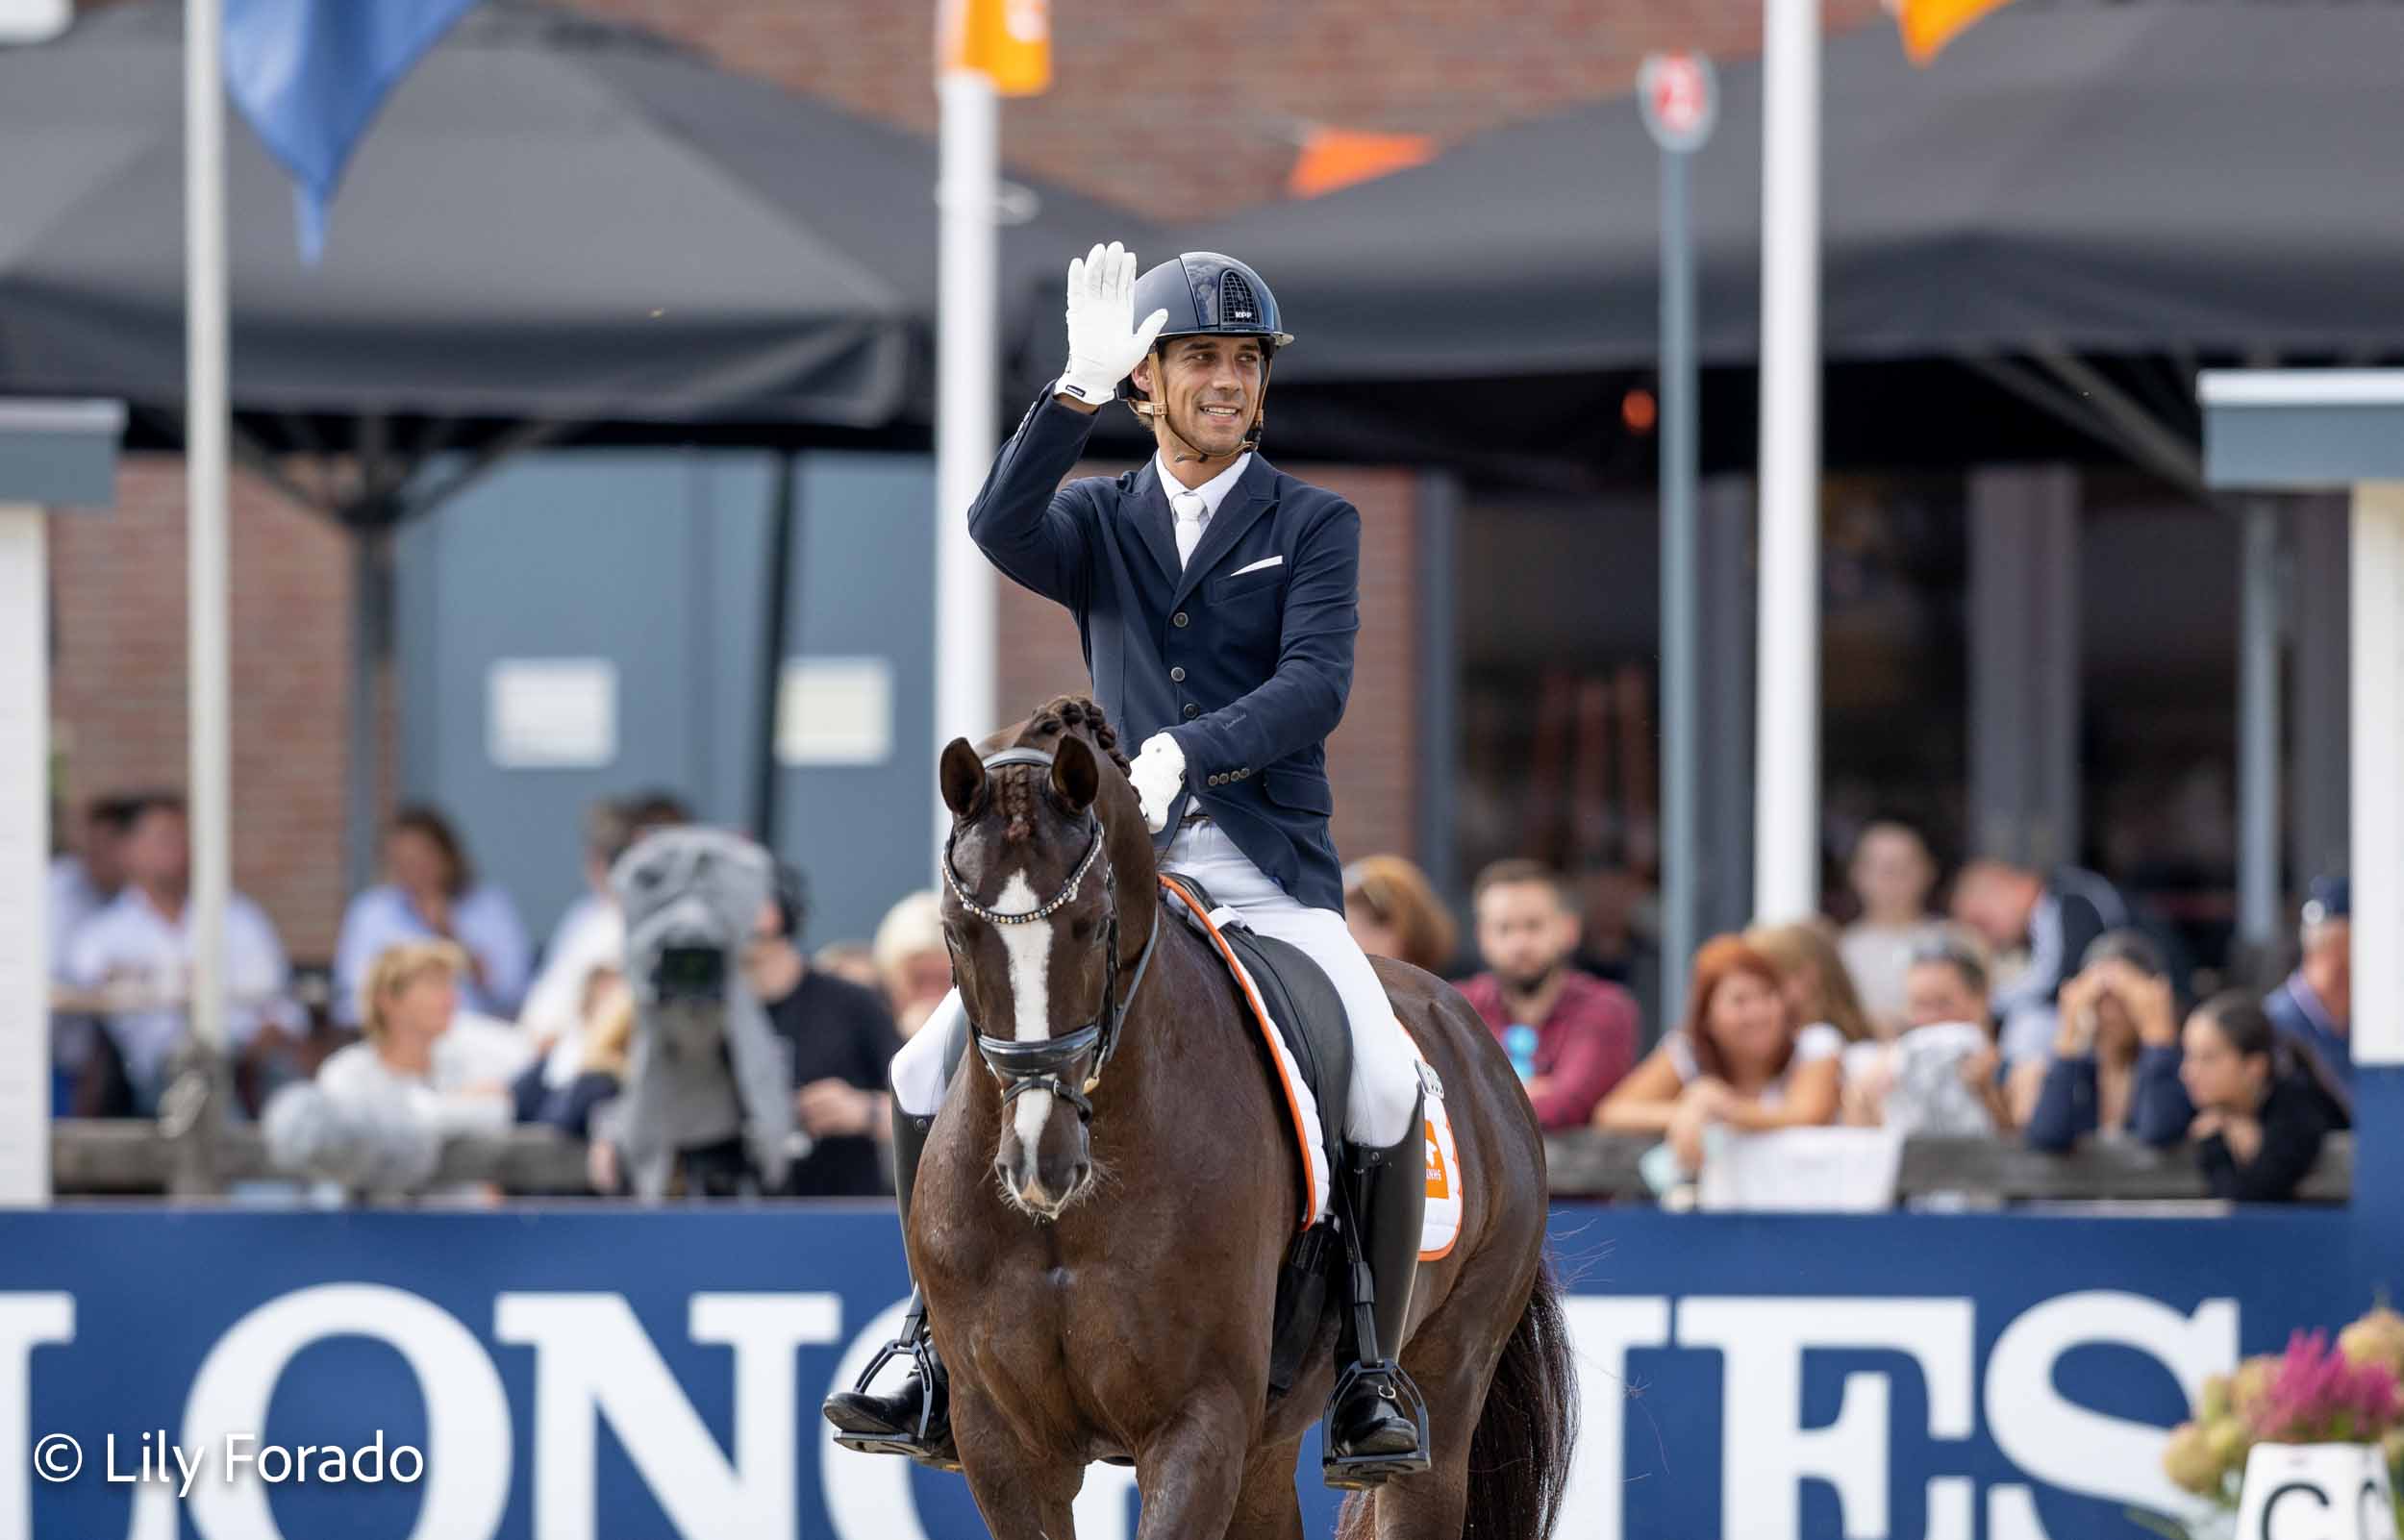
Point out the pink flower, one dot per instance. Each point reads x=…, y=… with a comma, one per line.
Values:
x=2317, y=1395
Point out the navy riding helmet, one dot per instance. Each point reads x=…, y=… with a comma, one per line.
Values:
x=1208, y=295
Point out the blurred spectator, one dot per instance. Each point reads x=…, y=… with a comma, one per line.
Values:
x=132, y=960
x=1892, y=874
x=2052, y=920
x=2115, y=1053
x=430, y=893
x=911, y=959
x=408, y=1065
x=2263, y=1118
x=590, y=935
x=843, y=1043
x=1738, y=1058
x=1941, y=1074
x=2314, y=1009
x=1586, y=1029
x=1814, y=976
x=82, y=882
x=1393, y=912
x=85, y=880
x=600, y=1075
x=1620, y=940
x=854, y=960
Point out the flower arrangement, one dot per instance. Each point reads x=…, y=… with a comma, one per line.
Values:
x=2316, y=1392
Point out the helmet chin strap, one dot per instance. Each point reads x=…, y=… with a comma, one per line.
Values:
x=1155, y=413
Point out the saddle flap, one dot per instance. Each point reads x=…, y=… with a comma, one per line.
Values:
x=1309, y=1015
x=1301, y=1020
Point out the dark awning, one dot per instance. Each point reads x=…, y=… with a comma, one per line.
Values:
x=2141, y=177
x=552, y=219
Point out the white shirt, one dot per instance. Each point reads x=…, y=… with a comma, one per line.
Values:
x=1211, y=493
x=73, y=900
x=555, y=1006
x=358, y=1078
x=131, y=945
x=1814, y=1043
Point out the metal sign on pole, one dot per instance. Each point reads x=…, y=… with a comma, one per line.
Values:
x=1680, y=99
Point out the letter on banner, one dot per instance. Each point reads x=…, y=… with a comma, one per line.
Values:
x=27, y=1321
x=1766, y=1451
x=2065, y=1445
x=1601, y=1332
x=466, y=1485
x=594, y=1362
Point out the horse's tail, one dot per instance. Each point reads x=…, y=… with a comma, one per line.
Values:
x=1519, y=1454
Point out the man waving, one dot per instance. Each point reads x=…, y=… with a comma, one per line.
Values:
x=1218, y=599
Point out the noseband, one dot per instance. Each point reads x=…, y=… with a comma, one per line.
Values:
x=1044, y=1065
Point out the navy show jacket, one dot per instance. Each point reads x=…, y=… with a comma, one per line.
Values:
x=1245, y=660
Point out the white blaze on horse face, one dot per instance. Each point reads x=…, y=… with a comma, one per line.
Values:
x=1030, y=949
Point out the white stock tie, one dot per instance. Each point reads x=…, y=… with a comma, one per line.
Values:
x=1192, y=514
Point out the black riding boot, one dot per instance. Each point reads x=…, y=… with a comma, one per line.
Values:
x=1376, y=1425
x=915, y=1417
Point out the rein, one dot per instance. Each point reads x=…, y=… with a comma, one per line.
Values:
x=1044, y=1065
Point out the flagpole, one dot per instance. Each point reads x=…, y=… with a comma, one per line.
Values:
x=1786, y=749
x=205, y=453
x=966, y=387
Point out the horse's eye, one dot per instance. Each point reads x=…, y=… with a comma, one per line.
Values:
x=1081, y=931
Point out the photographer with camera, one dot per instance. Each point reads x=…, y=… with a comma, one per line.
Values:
x=2115, y=1064
x=708, y=1109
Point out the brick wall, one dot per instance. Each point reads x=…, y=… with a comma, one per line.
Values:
x=1179, y=110
x=1372, y=758
x=117, y=678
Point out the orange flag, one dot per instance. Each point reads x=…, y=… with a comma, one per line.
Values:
x=1008, y=41
x=1928, y=25
x=1337, y=157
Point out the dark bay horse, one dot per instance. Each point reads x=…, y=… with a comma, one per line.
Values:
x=1104, y=1290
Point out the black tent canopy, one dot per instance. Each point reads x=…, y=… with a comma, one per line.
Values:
x=552, y=219
x=2069, y=181
x=2202, y=174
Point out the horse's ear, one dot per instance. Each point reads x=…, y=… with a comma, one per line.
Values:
x=1075, y=776
x=961, y=775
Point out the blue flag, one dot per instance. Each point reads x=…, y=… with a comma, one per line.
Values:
x=310, y=75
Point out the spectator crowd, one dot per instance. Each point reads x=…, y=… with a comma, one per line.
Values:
x=2038, y=1006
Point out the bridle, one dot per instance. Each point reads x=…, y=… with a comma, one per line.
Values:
x=1044, y=1065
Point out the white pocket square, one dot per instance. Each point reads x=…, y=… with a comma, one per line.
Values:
x=1260, y=565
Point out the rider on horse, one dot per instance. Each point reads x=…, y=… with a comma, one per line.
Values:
x=1218, y=599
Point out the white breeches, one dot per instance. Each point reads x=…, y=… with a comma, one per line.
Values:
x=1384, y=1076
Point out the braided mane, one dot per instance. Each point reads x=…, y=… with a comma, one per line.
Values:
x=1014, y=796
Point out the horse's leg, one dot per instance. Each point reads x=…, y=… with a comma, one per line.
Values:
x=1266, y=1506
x=1451, y=1359
x=1190, y=1470
x=1021, y=1494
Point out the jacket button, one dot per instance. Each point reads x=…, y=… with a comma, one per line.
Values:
x=1179, y=619
x=1192, y=710
x=1177, y=675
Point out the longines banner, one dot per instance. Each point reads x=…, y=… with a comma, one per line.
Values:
x=598, y=1375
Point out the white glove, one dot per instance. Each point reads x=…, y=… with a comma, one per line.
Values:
x=1156, y=773
x=1104, y=343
